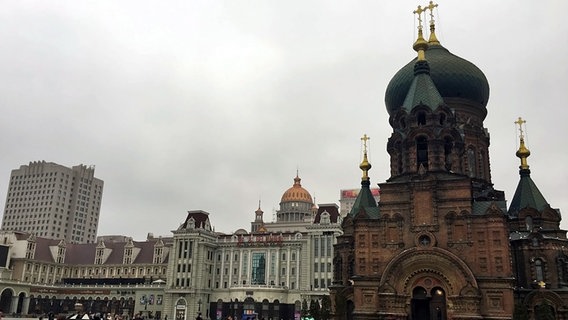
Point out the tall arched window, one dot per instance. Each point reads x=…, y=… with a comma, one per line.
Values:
x=471, y=162
x=539, y=270
x=448, y=145
x=422, y=152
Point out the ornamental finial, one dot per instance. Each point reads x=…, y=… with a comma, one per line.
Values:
x=365, y=165
x=420, y=45
x=432, y=39
x=523, y=153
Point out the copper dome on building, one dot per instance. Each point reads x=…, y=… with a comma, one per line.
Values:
x=296, y=193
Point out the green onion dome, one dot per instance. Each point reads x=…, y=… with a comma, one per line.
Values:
x=453, y=76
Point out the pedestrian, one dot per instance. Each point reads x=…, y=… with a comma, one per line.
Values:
x=199, y=316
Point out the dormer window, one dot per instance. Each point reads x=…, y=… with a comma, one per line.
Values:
x=30, y=250
x=60, y=254
x=99, y=255
x=325, y=218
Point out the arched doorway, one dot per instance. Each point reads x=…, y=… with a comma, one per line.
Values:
x=428, y=305
x=544, y=311
x=350, y=307
x=6, y=300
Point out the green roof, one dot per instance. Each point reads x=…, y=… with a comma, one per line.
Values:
x=453, y=76
x=527, y=195
x=365, y=203
x=422, y=90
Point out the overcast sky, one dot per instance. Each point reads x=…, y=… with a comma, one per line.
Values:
x=213, y=105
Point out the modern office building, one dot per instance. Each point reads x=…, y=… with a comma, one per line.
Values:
x=54, y=202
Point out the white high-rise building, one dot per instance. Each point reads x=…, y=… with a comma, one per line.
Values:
x=54, y=202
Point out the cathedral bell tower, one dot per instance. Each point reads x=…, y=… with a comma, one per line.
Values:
x=437, y=104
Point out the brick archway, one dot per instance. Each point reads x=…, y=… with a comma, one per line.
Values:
x=428, y=268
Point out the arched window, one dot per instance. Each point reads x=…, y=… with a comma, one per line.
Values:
x=481, y=164
x=448, y=145
x=421, y=118
x=471, y=162
x=442, y=118
x=399, y=155
x=529, y=223
x=422, y=152
x=539, y=270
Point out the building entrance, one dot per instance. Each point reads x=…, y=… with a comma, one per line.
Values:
x=428, y=305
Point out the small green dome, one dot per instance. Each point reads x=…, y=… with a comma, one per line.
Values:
x=453, y=76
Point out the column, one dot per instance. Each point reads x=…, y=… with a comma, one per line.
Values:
x=13, y=304
x=26, y=305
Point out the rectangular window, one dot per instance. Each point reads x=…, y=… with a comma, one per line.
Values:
x=316, y=247
x=498, y=264
x=375, y=240
x=496, y=238
x=483, y=264
x=258, y=268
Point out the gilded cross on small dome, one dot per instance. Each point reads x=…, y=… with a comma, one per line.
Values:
x=432, y=39
x=523, y=153
x=520, y=122
x=365, y=165
x=431, y=7
x=419, y=11
x=420, y=45
x=365, y=138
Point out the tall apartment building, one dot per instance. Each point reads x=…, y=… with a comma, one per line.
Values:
x=53, y=201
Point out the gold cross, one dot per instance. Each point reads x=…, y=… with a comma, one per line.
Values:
x=520, y=122
x=419, y=13
x=431, y=7
x=365, y=139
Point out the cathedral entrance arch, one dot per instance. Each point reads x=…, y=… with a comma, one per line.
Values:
x=432, y=284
